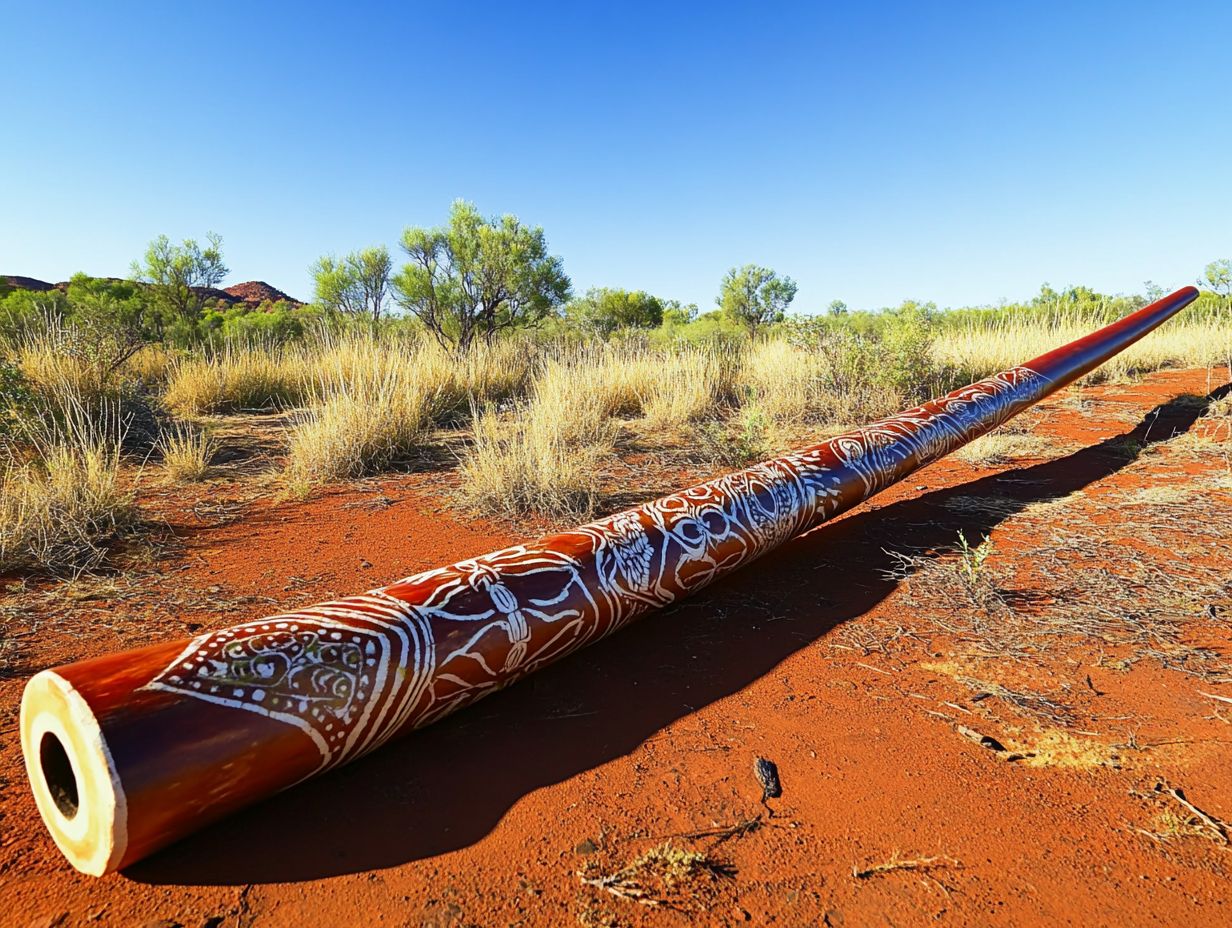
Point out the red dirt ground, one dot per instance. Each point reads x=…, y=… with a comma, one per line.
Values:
x=488, y=817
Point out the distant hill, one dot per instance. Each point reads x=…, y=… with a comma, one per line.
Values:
x=252, y=292
x=17, y=282
x=214, y=295
x=258, y=291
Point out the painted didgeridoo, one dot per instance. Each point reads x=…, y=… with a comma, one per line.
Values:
x=129, y=752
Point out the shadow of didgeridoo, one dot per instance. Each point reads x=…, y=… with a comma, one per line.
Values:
x=447, y=786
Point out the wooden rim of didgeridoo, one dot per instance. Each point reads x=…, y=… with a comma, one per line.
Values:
x=72, y=774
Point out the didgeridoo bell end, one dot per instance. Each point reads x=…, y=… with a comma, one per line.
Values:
x=72, y=775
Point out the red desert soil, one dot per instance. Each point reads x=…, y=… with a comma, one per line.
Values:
x=867, y=692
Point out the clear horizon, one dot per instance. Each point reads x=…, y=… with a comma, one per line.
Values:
x=963, y=156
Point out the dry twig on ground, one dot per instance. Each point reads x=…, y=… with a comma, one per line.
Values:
x=897, y=863
x=665, y=876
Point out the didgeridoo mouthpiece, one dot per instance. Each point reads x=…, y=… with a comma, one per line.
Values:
x=129, y=752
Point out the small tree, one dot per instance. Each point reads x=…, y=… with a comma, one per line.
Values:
x=476, y=277
x=755, y=296
x=1218, y=277
x=24, y=312
x=908, y=334
x=677, y=313
x=110, y=317
x=837, y=308
x=177, y=275
x=603, y=311
x=357, y=284
x=1046, y=295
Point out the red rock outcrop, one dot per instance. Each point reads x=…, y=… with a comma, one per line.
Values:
x=256, y=292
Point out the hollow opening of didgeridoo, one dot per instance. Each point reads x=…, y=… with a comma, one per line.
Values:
x=72, y=775
x=58, y=775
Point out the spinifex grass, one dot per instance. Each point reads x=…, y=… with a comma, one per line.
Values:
x=374, y=402
x=1188, y=341
x=238, y=378
x=61, y=499
x=186, y=453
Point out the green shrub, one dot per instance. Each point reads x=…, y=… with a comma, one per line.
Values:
x=28, y=312
x=739, y=444
x=267, y=324
x=16, y=402
x=906, y=357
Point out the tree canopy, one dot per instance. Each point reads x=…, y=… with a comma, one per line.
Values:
x=604, y=310
x=678, y=313
x=476, y=276
x=1218, y=277
x=176, y=276
x=111, y=314
x=755, y=296
x=357, y=284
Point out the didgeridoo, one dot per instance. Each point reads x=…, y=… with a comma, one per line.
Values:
x=129, y=752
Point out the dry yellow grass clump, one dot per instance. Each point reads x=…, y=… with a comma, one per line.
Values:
x=186, y=453
x=1220, y=407
x=686, y=386
x=534, y=463
x=58, y=511
x=237, y=378
x=668, y=387
x=544, y=457
x=597, y=382
x=53, y=372
x=65, y=367
x=484, y=373
x=833, y=385
x=61, y=499
x=784, y=381
x=374, y=401
x=151, y=364
x=360, y=426
x=1183, y=342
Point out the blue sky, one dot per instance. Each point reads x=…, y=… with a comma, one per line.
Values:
x=961, y=153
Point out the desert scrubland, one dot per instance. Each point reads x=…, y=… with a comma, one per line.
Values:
x=999, y=692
